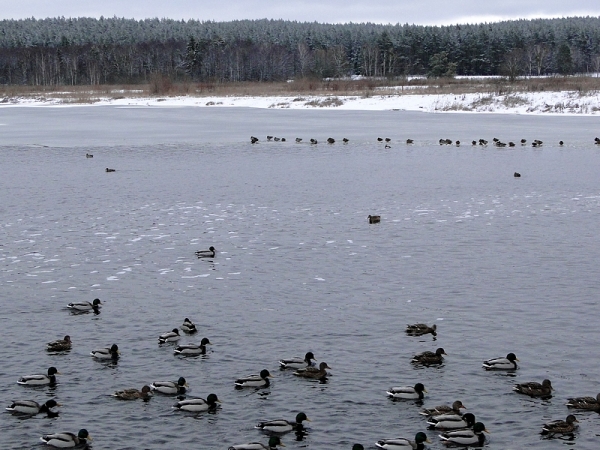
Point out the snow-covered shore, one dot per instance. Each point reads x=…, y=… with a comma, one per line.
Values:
x=561, y=103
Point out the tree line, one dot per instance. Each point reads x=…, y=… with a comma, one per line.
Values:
x=81, y=51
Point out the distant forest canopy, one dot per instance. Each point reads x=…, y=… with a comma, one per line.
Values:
x=80, y=51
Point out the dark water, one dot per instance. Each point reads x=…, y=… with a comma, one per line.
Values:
x=499, y=264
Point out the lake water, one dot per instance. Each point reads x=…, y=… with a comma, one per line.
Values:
x=499, y=264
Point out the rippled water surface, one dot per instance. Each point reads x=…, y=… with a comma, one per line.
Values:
x=499, y=264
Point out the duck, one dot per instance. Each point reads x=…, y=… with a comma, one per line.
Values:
x=170, y=336
x=517, y=175
x=451, y=421
x=297, y=362
x=40, y=380
x=419, y=329
x=110, y=170
x=345, y=140
x=197, y=404
x=313, y=372
x=403, y=443
x=111, y=352
x=89, y=155
x=192, y=349
x=444, y=409
x=314, y=141
x=534, y=389
x=589, y=403
x=374, y=219
x=60, y=345
x=283, y=426
x=507, y=363
x=66, y=440
x=32, y=408
x=85, y=306
x=474, y=437
x=298, y=140
x=170, y=387
x=407, y=392
x=188, y=326
x=567, y=426
x=410, y=141
x=210, y=253
x=274, y=441
x=260, y=380
x=430, y=357
x=254, y=139
x=133, y=394
x=330, y=140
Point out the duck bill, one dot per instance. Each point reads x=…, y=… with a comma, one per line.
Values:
x=89, y=438
x=486, y=431
x=308, y=420
x=281, y=444
x=428, y=440
x=58, y=404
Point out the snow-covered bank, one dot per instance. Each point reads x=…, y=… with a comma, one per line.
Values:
x=564, y=103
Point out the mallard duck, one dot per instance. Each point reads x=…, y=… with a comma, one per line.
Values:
x=188, y=326
x=210, y=253
x=111, y=352
x=507, y=363
x=374, y=219
x=110, y=170
x=430, y=357
x=40, y=380
x=274, y=441
x=192, y=349
x=133, y=394
x=451, y=421
x=197, y=404
x=473, y=437
x=171, y=336
x=444, y=409
x=85, y=306
x=407, y=392
x=313, y=372
x=60, y=345
x=32, y=408
x=283, y=426
x=261, y=380
x=567, y=426
x=589, y=403
x=66, y=440
x=170, y=387
x=403, y=443
x=534, y=389
x=419, y=329
x=297, y=362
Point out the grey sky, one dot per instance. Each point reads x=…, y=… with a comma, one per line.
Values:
x=421, y=12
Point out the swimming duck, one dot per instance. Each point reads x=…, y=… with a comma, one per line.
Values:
x=419, y=329
x=283, y=426
x=188, y=326
x=192, y=349
x=133, y=394
x=313, y=372
x=89, y=155
x=170, y=387
x=274, y=441
x=507, y=363
x=40, y=380
x=429, y=357
x=254, y=139
x=444, y=409
x=85, y=306
x=330, y=140
x=261, y=380
x=345, y=140
x=403, y=443
x=297, y=362
x=210, y=253
x=60, y=345
x=32, y=408
x=197, y=404
x=374, y=219
x=410, y=141
x=110, y=170
x=111, y=352
x=473, y=437
x=589, y=403
x=566, y=426
x=171, y=336
x=534, y=389
x=451, y=421
x=517, y=175
x=66, y=440
x=408, y=392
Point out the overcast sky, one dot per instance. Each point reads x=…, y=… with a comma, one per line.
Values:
x=421, y=12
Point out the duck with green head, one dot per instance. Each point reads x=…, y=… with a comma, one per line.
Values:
x=404, y=443
x=282, y=425
x=274, y=442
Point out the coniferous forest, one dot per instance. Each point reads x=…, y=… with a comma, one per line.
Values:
x=87, y=51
